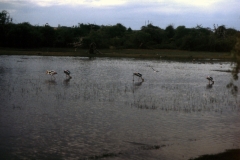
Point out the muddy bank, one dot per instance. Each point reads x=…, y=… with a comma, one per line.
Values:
x=124, y=53
x=233, y=154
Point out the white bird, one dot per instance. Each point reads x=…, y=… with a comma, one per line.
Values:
x=51, y=72
x=67, y=72
x=138, y=75
x=210, y=79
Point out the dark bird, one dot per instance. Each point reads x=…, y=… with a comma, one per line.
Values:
x=154, y=69
x=51, y=72
x=138, y=75
x=210, y=79
x=67, y=72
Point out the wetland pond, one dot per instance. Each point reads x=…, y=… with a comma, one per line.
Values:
x=102, y=113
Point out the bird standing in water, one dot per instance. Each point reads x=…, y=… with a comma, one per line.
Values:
x=138, y=75
x=210, y=79
x=51, y=72
x=67, y=72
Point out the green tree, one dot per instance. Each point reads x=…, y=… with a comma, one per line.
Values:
x=169, y=30
x=140, y=39
x=180, y=32
x=23, y=35
x=117, y=30
x=5, y=20
x=48, y=36
x=219, y=31
x=156, y=34
x=5, y=17
x=64, y=36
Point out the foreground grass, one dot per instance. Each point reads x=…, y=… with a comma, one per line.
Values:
x=125, y=53
x=233, y=154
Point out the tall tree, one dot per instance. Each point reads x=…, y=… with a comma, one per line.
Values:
x=219, y=31
x=4, y=20
x=48, y=36
x=5, y=17
x=156, y=33
x=170, y=31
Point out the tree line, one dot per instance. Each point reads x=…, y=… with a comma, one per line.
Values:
x=25, y=35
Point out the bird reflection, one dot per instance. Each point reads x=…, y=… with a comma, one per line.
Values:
x=236, y=70
x=51, y=81
x=209, y=86
x=66, y=81
x=136, y=85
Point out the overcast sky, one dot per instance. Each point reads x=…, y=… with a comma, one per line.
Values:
x=130, y=13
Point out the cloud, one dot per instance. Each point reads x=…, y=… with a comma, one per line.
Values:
x=131, y=13
x=102, y=3
x=157, y=6
x=45, y=3
x=198, y=3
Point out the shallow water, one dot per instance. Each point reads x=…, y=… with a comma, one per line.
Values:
x=102, y=113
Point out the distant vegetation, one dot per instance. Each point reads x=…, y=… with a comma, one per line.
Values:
x=25, y=35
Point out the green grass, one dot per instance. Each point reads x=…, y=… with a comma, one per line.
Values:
x=127, y=53
x=233, y=154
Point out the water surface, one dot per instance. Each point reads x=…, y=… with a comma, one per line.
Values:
x=101, y=112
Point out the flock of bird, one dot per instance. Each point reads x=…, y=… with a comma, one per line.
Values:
x=67, y=72
x=52, y=73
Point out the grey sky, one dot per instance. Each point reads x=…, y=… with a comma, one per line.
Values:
x=130, y=13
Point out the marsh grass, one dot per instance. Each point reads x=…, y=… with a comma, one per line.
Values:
x=186, y=98
x=178, y=98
